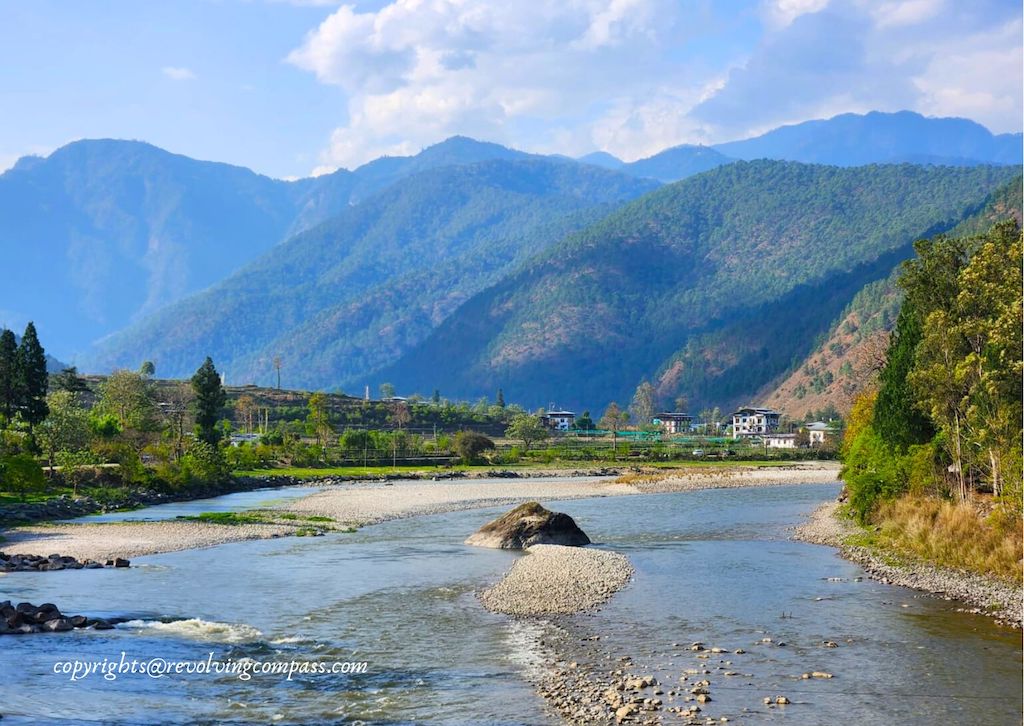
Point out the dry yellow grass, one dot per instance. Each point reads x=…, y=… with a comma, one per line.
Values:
x=954, y=535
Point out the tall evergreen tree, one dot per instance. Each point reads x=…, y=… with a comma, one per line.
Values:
x=33, y=381
x=897, y=418
x=500, y=400
x=8, y=375
x=210, y=400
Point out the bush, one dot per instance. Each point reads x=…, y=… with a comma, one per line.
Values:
x=21, y=473
x=470, y=445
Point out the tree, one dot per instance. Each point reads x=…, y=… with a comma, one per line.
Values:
x=470, y=445
x=129, y=397
x=246, y=409
x=528, y=429
x=21, y=474
x=401, y=415
x=614, y=418
x=644, y=403
x=9, y=390
x=387, y=390
x=66, y=428
x=277, y=369
x=147, y=369
x=319, y=419
x=436, y=398
x=210, y=399
x=33, y=380
x=897, y=418
x=584, y=422
x=500, y=399
x=681, y=403
x=176, y=408
x=69, y=380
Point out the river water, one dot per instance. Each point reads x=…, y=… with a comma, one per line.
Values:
x=714, y=566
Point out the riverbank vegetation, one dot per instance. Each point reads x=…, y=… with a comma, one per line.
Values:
x=932, y=453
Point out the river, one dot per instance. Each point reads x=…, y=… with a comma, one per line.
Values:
x=715, y=566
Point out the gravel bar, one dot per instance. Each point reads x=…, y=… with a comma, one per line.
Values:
x=558, y=580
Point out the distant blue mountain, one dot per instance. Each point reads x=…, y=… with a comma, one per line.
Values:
x=103, y=232
x=876, y=137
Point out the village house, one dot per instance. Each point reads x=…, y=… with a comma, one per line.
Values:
x=559, y=420
x=750, y=421
x=673, y=422
x=819, y=432
x=779, y=441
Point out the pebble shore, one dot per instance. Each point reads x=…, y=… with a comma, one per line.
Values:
x=983, y=595
x=558, y=580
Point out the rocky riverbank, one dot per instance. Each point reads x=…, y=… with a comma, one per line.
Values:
x=982, y=595
x=558, y=580
x=25, y=618
x=53, y=563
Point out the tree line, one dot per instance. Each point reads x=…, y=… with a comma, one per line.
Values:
x=944, y=417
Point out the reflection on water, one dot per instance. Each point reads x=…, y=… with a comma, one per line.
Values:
x=228, y=503
x=714, y=566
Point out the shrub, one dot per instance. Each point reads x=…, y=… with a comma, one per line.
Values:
x=470, y=445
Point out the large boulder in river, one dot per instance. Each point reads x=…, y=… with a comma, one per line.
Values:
x=529, y=524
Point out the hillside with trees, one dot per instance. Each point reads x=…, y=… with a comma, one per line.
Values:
x=350, y=296
x=932, y=453
x=710, y=287
x=849, y=357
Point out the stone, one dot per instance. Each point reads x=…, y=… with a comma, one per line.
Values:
x=526, y=525
x=120, y=562
x=58, y=625
x=782, y=700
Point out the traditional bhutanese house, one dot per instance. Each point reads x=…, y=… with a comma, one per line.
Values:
x=752, y=421
x=779, y=441
x=559, y=420
x=818, y=432
x=674, y=422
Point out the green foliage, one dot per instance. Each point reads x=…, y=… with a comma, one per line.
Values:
x=471, y=445
x=209, y=402
x=9, y=388
x=716, y=284
x=32, y=379
x=897, y=418
x=20, y=473
x=528, y=429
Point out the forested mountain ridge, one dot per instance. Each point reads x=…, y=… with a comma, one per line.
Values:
x=854, y=349
x=712, y=286
x=354, y=293
x=116, y=229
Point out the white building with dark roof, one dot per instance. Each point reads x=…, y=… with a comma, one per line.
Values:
x=752, y=421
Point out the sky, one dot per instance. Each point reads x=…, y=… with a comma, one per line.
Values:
x=291, y=88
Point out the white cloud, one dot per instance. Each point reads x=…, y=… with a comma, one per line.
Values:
x=635, y=76
x=178, y=73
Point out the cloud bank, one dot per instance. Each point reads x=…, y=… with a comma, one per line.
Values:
x=635, y=76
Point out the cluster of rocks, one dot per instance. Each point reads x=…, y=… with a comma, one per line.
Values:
x=25, y=618
x=985, y=595
x=53, y=563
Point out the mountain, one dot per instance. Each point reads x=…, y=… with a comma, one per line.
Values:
x=846, y=360
x=354, y=293
x=677, y=163
x=602, y=159
x=710, y=287
x=113, y=230
x=855, y=139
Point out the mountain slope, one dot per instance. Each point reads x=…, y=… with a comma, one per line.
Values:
x=113, y=230
x=677, y=163
x=354, y=293
x=854, y=139
x=844, y=363
x=714, y=285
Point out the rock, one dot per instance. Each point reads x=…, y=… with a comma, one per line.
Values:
x=58, y=625
x=782, y=700
x=101, y=624
x=120, y=562
x=821, y=674
x=526, y=525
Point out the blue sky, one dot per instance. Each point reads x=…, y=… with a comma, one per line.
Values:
x=293, y=87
